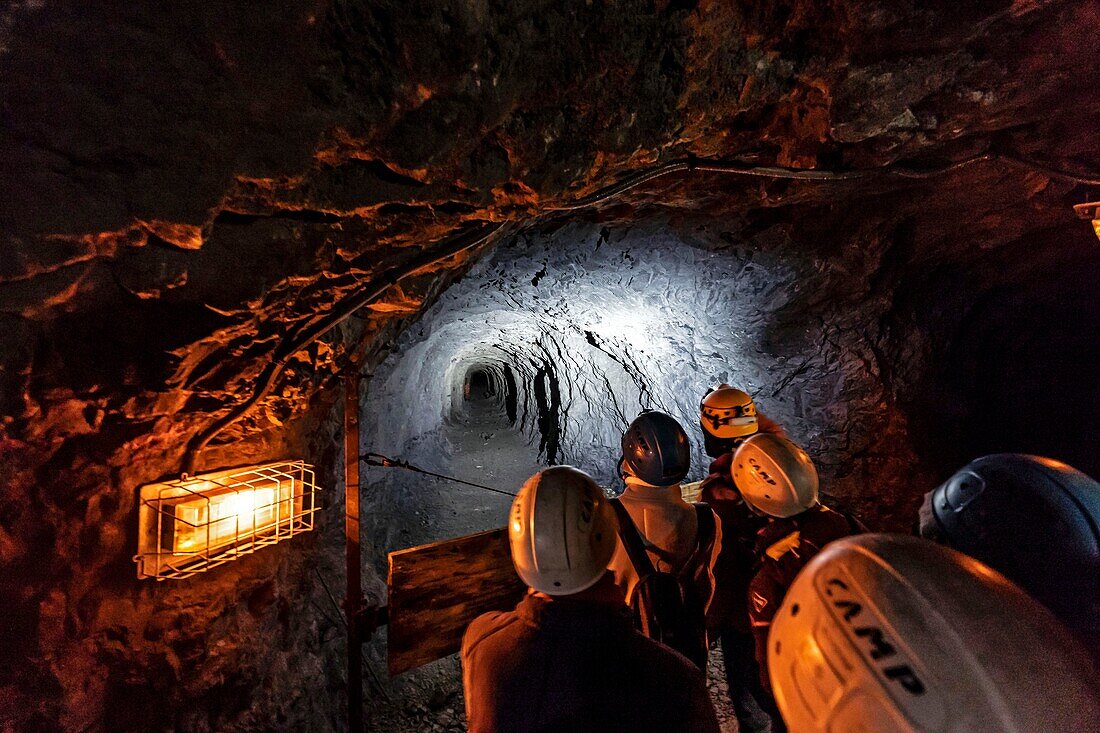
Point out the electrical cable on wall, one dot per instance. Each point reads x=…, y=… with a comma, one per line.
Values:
x=381, y=461
x=343, y=309
x=807, y=174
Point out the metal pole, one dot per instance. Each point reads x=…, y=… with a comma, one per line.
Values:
x=354, y=598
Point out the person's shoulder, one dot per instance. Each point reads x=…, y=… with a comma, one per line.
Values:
x=660, y=659
x=722, y=464
x=829, y=521
x=485, y=627
x=776, y=528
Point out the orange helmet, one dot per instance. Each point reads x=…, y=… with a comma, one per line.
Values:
x=727, y=412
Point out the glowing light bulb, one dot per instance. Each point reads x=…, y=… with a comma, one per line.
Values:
x=196, y=523
x=224, y=518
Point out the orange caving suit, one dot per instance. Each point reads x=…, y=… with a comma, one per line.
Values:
x=783, y=547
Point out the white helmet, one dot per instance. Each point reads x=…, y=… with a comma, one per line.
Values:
x=727, y=412
x=893, y=633
x=774, y=475
x=562, y=531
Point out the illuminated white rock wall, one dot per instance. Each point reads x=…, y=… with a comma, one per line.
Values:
x=592, y=327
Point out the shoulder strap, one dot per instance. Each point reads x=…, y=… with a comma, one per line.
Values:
x=705, y=534
x=706, y=529
x=632, y=541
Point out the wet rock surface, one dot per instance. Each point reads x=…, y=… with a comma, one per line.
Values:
x=188, y=189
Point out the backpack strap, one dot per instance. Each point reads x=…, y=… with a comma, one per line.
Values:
x=632, y=541
x=706, y=531
x=855, y=525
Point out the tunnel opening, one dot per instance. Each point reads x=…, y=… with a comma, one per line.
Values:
x=479, y=386
x=570, y=336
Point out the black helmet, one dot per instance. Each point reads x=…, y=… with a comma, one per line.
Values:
x=656, y=449
x=1033, y=519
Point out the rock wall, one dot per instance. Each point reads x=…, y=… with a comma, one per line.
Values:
x=597, y=325
x=608, y=322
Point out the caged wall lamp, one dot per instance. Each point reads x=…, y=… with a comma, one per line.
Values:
x=1090, y=210
x=193, y=524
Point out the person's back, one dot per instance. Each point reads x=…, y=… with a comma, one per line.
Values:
x=728, y=615
x=783, y=548
x=656, y=457
x=564, y=665
x=733, y=569
x=568, y=657
x=777, y=479
x=669, y=527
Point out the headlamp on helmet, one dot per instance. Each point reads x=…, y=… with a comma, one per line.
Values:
x=727, y=413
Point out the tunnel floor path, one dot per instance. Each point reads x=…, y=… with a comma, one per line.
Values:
x=483, y=450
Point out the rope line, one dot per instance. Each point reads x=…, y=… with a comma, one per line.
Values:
x=381, y=461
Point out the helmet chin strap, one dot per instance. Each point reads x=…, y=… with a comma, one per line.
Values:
x=635, y=481
x=630, y=479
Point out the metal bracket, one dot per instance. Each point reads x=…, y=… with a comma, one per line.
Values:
x=1090, y=210
x=368, y=618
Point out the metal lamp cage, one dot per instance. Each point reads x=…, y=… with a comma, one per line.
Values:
x=193, y=524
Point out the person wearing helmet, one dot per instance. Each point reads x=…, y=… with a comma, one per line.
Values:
x=1035, y=520
x=679, y=538
x=778, y=480
x=728, y=416
x=546, y=665
x=894, y=633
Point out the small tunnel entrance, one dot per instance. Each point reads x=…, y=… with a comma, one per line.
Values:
x=478, y=387
x=487, y=394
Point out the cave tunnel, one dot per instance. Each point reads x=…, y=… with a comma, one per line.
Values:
x=518, y=238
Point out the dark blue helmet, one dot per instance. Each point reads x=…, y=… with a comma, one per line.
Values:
x=656, y=449
x=1033, y=519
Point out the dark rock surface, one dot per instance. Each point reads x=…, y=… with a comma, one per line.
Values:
x=187, y=188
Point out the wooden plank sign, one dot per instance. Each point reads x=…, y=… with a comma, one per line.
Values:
x=436, y=590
